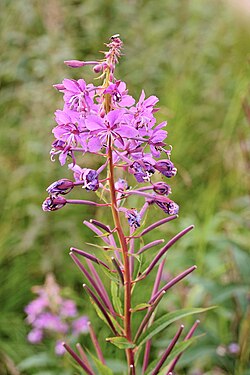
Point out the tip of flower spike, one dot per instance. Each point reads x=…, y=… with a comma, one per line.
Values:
x=182, y=326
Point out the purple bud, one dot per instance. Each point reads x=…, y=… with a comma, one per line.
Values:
x=162, y=188
x=166, y=167
x=53, y=203
x=59, y=86
x=134, y=218
x=142, y=170
x=121, y=184
x=91, y=178
x=74, y=63
x=98, y=68
x=167, y=205
x=63, y=186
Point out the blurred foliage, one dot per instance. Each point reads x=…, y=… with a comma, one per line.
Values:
x=194, y=56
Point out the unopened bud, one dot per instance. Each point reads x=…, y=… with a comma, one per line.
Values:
x=53, y=203
x=98, y=68
x=166, y=167
x=162, y=188
x=63, y=186
x=74, y=63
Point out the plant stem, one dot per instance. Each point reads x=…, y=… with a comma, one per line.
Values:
x=124, y=248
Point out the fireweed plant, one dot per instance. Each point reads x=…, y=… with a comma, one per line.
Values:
x=104, y=120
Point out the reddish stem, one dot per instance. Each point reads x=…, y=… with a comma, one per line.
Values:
x=124, y=248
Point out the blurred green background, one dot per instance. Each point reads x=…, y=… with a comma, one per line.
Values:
x=194, y=56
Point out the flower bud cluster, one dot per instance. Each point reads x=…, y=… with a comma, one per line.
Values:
x=51, y=314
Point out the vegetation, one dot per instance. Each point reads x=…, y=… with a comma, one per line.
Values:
x=194, y=57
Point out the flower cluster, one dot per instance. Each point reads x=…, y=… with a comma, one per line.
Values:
x=95, y=116
x=52, y=314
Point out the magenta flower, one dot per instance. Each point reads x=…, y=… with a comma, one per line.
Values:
x=142, y=114
x=77, y=95
x=69, y=130
x=60, y=148
x=156, y=138
x=119, y=95
x=111, y=125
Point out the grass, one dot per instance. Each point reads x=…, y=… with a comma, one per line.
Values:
x=194, y=57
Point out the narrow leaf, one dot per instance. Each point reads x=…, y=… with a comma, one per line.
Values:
x=102, y=369
x=121, y=342
x=165, y=320
x=115, y=298
x=140, y=307
x=179, y=348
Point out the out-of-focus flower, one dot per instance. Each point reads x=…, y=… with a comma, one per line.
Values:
x=51, y=314
x=233, y=348
x=80, y=325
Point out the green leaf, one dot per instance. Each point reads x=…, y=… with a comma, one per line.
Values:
x=102, y=369
x=178, y=349
x=115, y=298
x=140, y=307
x=38, y=360
x=112, y=276
x=121, y=342
x=165, y=320
x=102, y=317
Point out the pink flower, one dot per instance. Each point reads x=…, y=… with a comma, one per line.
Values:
x=111, y=125
x=119, y=95
x=77, y=95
